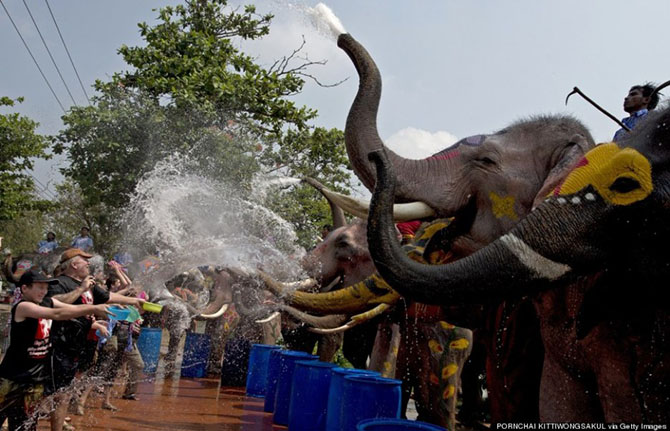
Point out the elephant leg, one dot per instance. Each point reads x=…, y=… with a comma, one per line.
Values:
x=359, y=342
x=403, y=368
x=328, y=346
x=272, y=330
x=300, y=339
x=441, y=350
x=514, y=362
x=384, y=355
x=473, y=407
x=215, y=330
x=564, y=398
x=613, y=361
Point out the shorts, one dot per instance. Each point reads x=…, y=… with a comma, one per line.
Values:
x=63, y=370
x=87, y=356
x=18, y=402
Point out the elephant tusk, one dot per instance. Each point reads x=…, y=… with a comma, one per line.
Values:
x=219, y=313
x=269, y=318
x=300, y=285
x=355, y=320
x=332, y=284
x=329, y=331
x=360, y=208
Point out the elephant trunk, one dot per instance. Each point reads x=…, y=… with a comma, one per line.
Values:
x=361, y=137
x=7, y=269
x=507, y=267
x=360, y=133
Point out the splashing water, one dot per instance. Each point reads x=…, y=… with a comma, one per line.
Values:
x=262, y=185
x=193, y=221
x=325, y=20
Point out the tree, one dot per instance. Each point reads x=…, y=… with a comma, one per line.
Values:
x=19, y=145
x=192, y=92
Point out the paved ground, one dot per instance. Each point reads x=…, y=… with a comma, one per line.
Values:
x=177, y=404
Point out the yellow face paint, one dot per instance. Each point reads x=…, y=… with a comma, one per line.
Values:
x=605, y=164
x=503, y=206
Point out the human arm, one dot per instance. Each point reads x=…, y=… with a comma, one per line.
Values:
x=70, y=297
x=120, y=299
x=61, y=311
x=101, y=325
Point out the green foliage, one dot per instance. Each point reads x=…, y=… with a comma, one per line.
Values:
x=19, y=146
x=192, y=92
x=22, y=234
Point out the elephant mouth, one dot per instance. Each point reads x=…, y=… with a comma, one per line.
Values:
x=459, y=230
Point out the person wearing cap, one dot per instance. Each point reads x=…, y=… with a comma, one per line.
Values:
x=83, y=241
x=25, y=369
x=75, y=286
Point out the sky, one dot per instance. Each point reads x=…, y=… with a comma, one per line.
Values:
x=450, y=68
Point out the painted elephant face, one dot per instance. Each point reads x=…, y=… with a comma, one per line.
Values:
x=608, y=216
x=488, y=182
x=343, y=253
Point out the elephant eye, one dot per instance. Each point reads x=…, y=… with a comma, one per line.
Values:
x=624, y=185
x=486, y=161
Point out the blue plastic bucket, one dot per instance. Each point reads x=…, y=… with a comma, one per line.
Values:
x=272, y=379
x=258, y=369
x=367, y=397
x=333, y=416
x=196, y=355
x=309, y=395
x=388, y=424
x=287, y=360
x=149, y=345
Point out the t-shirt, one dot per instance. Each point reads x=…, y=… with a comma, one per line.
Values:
x=27, y=358
x=45, y=246
x=83, y=243
x=69, y=336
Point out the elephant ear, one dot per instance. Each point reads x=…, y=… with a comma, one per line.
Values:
x=577, y=146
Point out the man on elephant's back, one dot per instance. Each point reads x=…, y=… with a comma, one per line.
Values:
x=640, y=100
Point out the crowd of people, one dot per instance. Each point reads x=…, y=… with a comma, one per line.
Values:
x=65, y=339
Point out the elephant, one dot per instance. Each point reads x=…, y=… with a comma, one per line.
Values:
x=487, y=183
x=593, y=257
x=431, y=368
x=14, y=267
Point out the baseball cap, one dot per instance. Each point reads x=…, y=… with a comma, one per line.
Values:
x=73, y=252
x=33, y=276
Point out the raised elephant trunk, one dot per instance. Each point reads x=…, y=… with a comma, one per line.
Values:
x=513, y=265
x=361, y=137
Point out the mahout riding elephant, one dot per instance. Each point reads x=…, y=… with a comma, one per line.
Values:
x=487, y=183
x=593, y=255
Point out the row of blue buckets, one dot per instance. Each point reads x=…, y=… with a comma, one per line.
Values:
x=196, y=352
x=309, y=395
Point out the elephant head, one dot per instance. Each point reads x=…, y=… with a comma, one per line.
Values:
x=598, y=242
x=486, y=183
x=489, y=181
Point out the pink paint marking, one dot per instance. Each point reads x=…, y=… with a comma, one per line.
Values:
x=583, y=162
x=446, y=156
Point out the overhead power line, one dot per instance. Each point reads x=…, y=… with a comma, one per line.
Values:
x=68, y=51
x=33, y=57
x=49, y=52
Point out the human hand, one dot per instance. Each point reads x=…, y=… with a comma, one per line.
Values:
x=88, y=283
x=101, y=326
x=102, y=311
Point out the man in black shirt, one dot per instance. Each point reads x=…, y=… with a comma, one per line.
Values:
x=74, y=286
x=25, y=367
